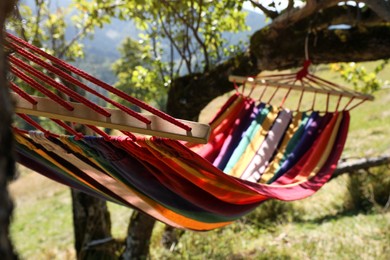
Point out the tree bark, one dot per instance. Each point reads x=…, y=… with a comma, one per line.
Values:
x=92, y=224
x=91, y=218
x=326, y=46
x=361, y=164
x=364, y=37
x=7, y=160
x=138, y=236
x=189, y=94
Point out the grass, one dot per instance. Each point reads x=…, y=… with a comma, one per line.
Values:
x=319, y=227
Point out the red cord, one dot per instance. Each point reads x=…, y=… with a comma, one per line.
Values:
x=76, y=82
x=132, y=136
x=100, y=83
x=23, y=94
x=40, y=88
x=36, y=125
x=314, y=101
x=285, y=97
x=300, y=100
x=327, y=102
x=77, y=135
x=235, y=85
x=273, y=95
x=338, y=102
x=304, y=71
x=100, y=132
x=72, y=94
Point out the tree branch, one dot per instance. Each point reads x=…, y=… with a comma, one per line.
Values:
x=269, y=13
x=173, y=43
x=380, y=7
x=188, y=95
x=361, y=164
x=326, y=46
x=292, y=16
x=195, y=33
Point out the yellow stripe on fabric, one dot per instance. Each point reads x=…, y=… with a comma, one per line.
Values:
x=77, y=149
x=308, y=171
x=272, y=167
x=50, y=159
x=254, y=145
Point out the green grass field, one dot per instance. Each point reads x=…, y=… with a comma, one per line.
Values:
x=319, y=227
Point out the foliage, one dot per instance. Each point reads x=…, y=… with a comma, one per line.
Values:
x=358, y=75
x=139, y=74
x=193, y=29
x=177, y=38
x=369, y=190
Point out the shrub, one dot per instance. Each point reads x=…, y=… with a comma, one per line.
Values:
x=369, y=190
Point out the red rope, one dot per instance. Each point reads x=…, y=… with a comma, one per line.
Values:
x=40, y=88
x=314, y=101
x=285, y=97
x=23, y=93
x=58, y=86
x=300, y=100
x=100, y=132
x=36, y=125
x=304, y=71
x=357, y=104
x=235, y=85
x=132, y=137
x=338, y=102
x=327, y=102
x=77, y=135
x=76, y=82
x=263, y=93
x=101, y=84
x=273, y=95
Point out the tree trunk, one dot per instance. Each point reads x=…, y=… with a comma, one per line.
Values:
x=92, y=227
x=91, y=218
x=138, y=236
x=189, y=94
x=7, y=161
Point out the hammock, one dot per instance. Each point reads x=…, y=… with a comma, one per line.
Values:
x=256, y=151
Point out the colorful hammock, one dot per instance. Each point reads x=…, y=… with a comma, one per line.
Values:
x=255, y=152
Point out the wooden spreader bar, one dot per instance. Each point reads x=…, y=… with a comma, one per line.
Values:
x=119, y=120
x=333, y=90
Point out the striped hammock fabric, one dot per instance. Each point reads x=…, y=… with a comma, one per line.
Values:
x=255, y=152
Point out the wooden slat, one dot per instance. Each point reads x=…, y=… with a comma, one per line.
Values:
x=118, y=120
x=275, y=83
